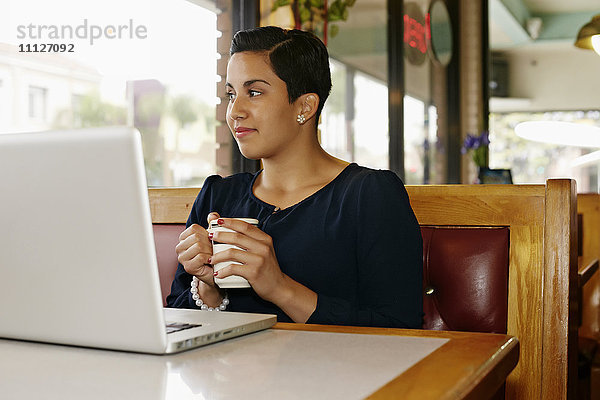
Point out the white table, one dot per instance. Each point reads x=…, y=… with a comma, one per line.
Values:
x=293, y=361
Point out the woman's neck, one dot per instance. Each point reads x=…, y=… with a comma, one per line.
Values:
x=299, y=170
x=296, y=174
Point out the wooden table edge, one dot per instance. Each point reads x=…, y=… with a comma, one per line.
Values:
x=494, y=365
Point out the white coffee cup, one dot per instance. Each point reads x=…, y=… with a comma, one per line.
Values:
x=233, y=281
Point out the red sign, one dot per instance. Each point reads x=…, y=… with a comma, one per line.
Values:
x=415, y=34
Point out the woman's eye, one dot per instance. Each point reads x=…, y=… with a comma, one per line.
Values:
x=230, y=95
x=254, y=93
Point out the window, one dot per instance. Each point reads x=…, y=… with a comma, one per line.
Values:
x=336, y=133
x=354, y=125
x=371, y=139
x=534, y=162
x=355, y=118
x=425, y=114
x=37, y=103
x=130, y=65
x=414, y=135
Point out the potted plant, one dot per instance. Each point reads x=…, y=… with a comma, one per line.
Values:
x=317, y=15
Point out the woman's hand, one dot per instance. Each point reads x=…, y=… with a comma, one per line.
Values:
x=261, y=268
x=259, y=263
x=194, y=252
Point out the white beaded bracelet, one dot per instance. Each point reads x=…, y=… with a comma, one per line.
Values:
x=200, y=303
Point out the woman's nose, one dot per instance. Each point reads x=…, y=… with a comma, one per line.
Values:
x=236, y=109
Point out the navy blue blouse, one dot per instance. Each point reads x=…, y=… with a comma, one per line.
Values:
x=355, y=242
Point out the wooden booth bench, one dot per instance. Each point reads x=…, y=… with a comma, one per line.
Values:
x=497, y=258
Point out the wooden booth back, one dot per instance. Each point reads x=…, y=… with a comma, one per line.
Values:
x=542, y=272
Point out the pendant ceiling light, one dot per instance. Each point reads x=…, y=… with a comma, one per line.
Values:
x=589, y=35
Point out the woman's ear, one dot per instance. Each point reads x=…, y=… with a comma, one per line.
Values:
x=308, y=103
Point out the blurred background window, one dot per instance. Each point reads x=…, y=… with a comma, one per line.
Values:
x=534, y=161
x=149, y=64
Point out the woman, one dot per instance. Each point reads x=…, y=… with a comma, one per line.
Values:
x=336, y=243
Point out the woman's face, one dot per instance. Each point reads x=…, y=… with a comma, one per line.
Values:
x=259, y=114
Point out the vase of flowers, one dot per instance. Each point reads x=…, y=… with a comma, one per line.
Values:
x=478, y=146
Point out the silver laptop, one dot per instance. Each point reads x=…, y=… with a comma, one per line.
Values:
x=77, y=257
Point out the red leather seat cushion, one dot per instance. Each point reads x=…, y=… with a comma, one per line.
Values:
x=166, y=237
x=465, y=278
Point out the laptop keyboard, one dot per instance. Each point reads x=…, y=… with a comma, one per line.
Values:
x=173, y=327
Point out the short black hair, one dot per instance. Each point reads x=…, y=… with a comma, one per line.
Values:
x=298, y=58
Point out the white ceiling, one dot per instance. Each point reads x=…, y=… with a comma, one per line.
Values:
x=561, y=6
x=561, y=20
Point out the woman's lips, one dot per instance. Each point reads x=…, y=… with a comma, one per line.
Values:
x=242, y=132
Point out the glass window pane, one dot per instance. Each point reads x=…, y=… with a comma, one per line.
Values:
x=371, y=139
x=415, y=135
x=336, y=131
x=425, y=99
x=360, y=93
x=534, y=162
x=148, y=64
x=355, y=127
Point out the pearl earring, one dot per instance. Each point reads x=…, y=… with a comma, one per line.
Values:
x=301, y=118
